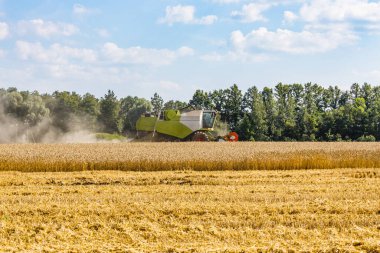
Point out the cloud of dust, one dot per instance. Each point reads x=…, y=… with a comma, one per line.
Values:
x=13, y=130
x=221, y=128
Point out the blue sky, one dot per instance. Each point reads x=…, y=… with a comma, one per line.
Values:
x=175, y=47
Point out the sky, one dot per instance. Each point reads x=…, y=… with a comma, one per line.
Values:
x=175, y=47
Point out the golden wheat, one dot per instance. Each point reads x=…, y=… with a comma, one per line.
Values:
x=188, y=211
x=188, y=156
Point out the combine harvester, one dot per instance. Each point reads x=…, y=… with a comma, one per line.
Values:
x=181, y=125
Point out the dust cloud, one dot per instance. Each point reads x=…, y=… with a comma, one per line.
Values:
x=13, y=130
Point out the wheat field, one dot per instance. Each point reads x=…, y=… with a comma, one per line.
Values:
x=190, y=197
x=187, y=156
x=191, y=211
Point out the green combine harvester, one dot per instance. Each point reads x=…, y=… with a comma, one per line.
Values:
x=182, y=125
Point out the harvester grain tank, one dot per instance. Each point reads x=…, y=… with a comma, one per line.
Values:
x=185, y=125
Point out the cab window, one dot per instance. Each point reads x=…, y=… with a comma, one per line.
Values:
x=208, y=119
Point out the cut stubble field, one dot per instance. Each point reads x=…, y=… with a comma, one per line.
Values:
x=190, y=207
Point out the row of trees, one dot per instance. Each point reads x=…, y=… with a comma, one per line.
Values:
x=67, y=111
x=298, y=112
x=287, y=112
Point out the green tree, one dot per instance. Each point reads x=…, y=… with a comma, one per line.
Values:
x=270, y=113
x=64, y=107
x=35, y=110
x=12, y=101
x=176, y=105
x=233, y=106
x=109, y=113
x=245, y=129
x=89, y=110
x=311, y=111
x=28, y=108
x=298, y=95
x=131, y=110
x=359, y=116
x=254, y=113
x=157, y=103
x=373, y=116
x=286, y=120
x=367, y=93
x=355, y=91
x=201, y=100
x=218, y=102
x=330, y=98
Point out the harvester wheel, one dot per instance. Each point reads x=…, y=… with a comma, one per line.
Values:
x=200, y=136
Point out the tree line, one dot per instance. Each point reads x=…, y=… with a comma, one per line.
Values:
x=287, y=112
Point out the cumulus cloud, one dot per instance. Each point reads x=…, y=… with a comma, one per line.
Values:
x=313, y=39
x=238, y=40
x=56, y=53
x=252, y=12
x=340, y=10
x=4, y=30
x=139, y=55
x=62, y=55
x=289, y=17
x=185, y=14
x=46, y=29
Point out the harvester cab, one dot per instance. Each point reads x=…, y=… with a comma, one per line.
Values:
x=184, y=124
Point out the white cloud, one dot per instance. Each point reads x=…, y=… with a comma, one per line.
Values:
x=185, y=14
x=139, y=55
x=80, y=9
x=185, y=51
x=46, y=29
x=252, y=12
x=238, y=40
x=289, y=17
x=4, y=30
x=340, y=10
x=313, y=39
x=56, y=53
x=180, y=14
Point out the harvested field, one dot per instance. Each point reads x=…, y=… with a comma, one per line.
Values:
x=190, y=197
x=188, y=156
x=335, y=210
